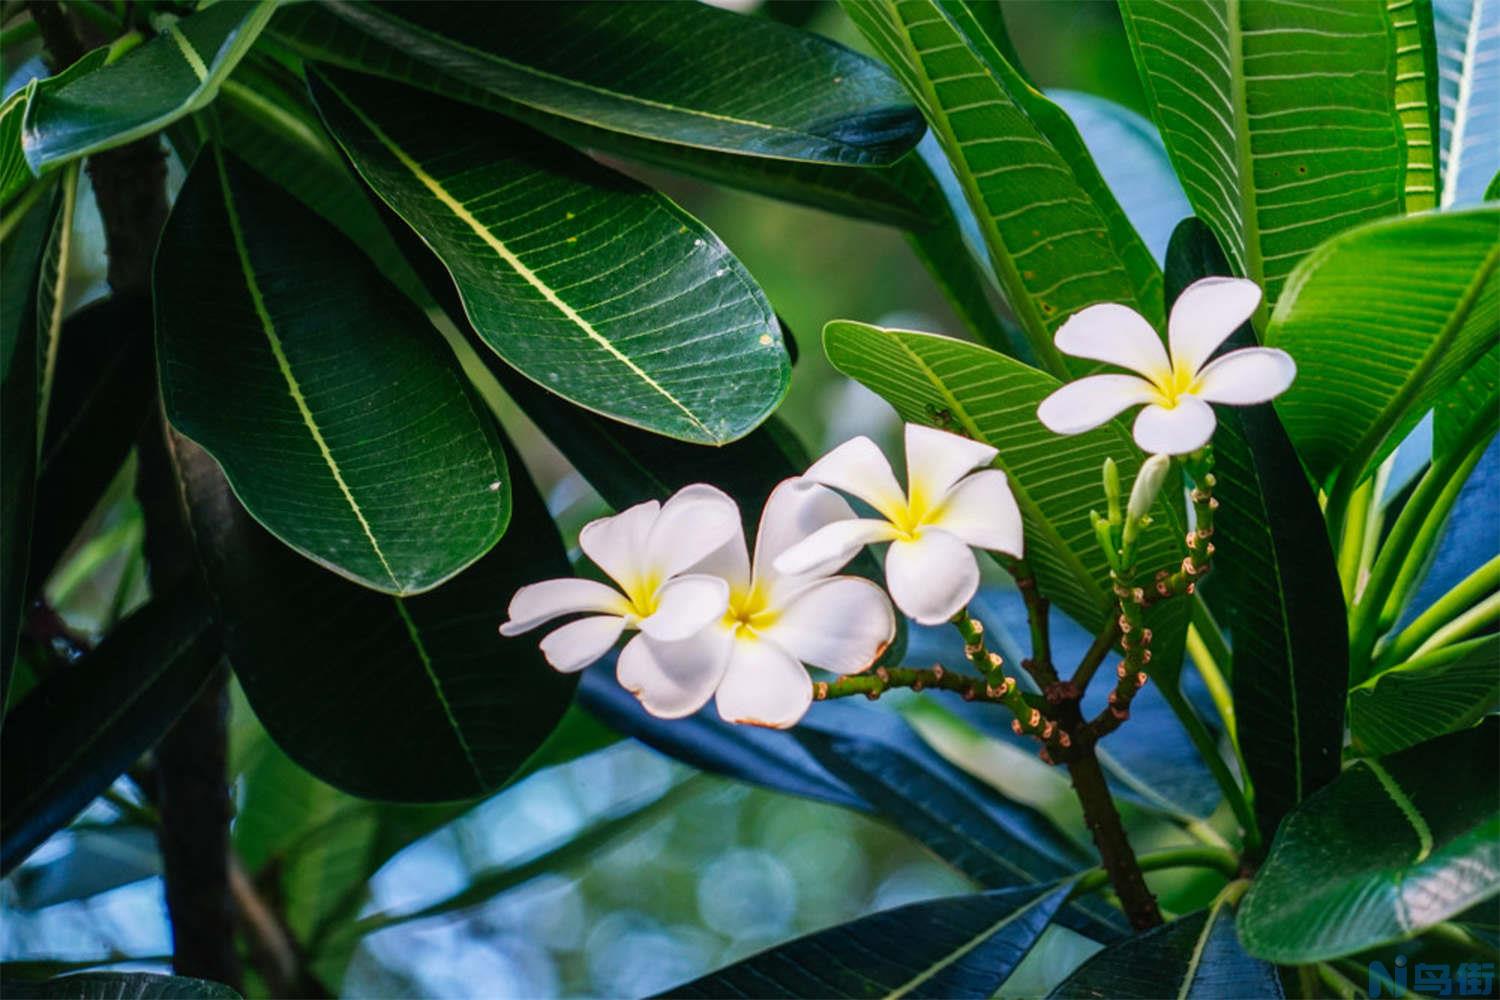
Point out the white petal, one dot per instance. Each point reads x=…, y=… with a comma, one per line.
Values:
x=795, y=509
x=697, y=520
x=536, y=603
x=764, y=686
x=1250, y=375
x=932, y=578
x=981, y=511
x=685, y=605
x=1085, y=404
x=841, y=624
x=858, y=467
x=1184, y=428
x=935, y=460
x=673, y=679
x=616, y=544
x=1117, y=335
x=577, y=644
x=730, y=562
x=830, y=547
x=1206, y=313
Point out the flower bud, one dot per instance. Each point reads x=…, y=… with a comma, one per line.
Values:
x=1143, y=493
x=1112, y=489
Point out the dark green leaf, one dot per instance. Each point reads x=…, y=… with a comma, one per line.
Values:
x=78, y=730
x=1468, y=56
x=595, y=287
x=408, y=699
x=354, y=437
x=1279, y=116
x=1275, y=586
x=1458, y=413
x=1056, y=237
x=689, y=75
x=1440, y=692
x=1389, y=849
x=972, y=390
x=962, y=946
x=1197, y=956
x=120, y=986
x=14, y=174
x=99, y=106
x=1380, y=321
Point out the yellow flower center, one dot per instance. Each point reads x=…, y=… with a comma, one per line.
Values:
x=641, y=592
x=749, y=611
x=1181, y=382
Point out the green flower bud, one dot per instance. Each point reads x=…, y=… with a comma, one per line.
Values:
x=1112, y=489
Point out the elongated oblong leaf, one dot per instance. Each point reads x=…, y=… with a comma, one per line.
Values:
x=1275, y=586
x=407, y=699
x=1196, y=957
x=593, y=286
x=689, y=75
x=972, y=390
x=76, y=732
x=962, y=946
x=340, y=417
x=1056, y=237
x=1280, y=118
x=1386, y=851
x=1468, y=71
x=1439, y=692
x=174, y=74
x=120, y=986
x=1380, y=322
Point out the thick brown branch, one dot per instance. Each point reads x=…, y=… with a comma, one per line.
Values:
x=1115, y=852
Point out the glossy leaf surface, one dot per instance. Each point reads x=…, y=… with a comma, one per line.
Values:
x=1439, y=692
x=591, y=285
x=406, y=699
x=351, y=432
x=962, y=946
x=1389, y=849
x=80, y=728
x=969, y=389
x=690, y=75
x=1056, y=237
x=1195, y=957
x=120, y=986
x=1280, y=118
x=95, y=107
x=1275, y=586
x=1380, y=322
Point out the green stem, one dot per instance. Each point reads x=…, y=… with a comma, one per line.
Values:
x=1213, y=678
x=1208, y=749
x=1481, y=616
x=1478, y=587
x=1221, y=859
x=1352, y=542
x=882, y=679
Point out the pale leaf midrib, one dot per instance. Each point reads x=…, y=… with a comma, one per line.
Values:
x=59, y=294
x=958, y=953
x=461, y=212
x=189, y=54
x=437, y=689
x=1407, y=808
x=268, y=326
x=1190, y=973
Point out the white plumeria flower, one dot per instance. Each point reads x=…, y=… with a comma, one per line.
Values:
x=645, y=550
x=751, y=660
x=929, y=570
x=1177, y=389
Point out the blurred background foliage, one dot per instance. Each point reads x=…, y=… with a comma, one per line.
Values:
x=677, y=872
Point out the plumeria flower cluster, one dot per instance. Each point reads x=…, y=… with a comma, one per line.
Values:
x=1175, y=384
x=716, y=623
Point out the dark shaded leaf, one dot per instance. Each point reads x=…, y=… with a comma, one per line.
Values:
x=1443, y=691
x=960, y=947
x=86, y=722
x=1275, y=585
x=120, y=986
x=353, y=435
x=409, y=699
x=1392, y=847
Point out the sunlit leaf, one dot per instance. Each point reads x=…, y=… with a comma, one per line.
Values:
x=1468, y=57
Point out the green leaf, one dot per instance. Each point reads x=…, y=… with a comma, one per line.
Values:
x=1380, y=321
x=972, y=390
x=406, y=699
x=100, y=106
x=1391, y=848
x=1468, y=58
x=1275, y=586
x=1439, y=692
x=1057, y=239
x=1417, y=98
x=78, y=730
x=355, y=437
x=1280, y=118
x=1472, y=398
x=14, y=174
x=962, y=946
x=1195, y=956
x=597, y=288
x=695, y=76
x=120, y=986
